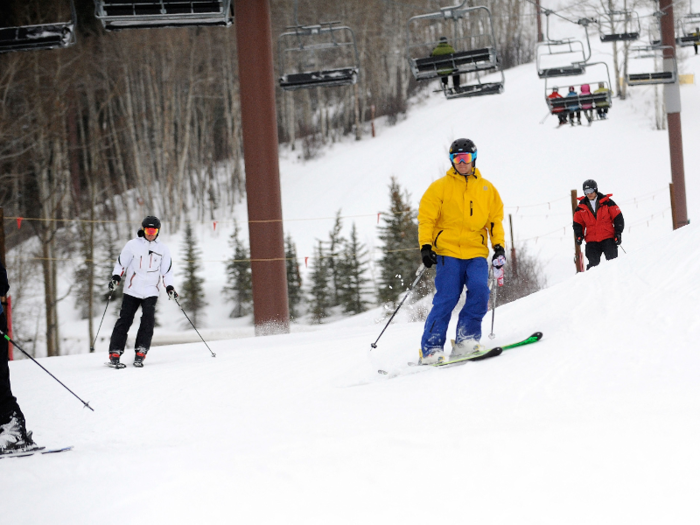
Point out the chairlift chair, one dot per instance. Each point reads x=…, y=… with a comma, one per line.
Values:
x=623, y=26
x=594, y=100
x=475, y=87
x=667, y=75
x=139, y=14
x=469, y=31
x=688, y=33
x=321, y=55
x=39, y=36
x=550, y=52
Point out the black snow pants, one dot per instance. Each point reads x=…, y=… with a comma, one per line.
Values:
x=126, y=316
x=8, y=402
x=595, y=249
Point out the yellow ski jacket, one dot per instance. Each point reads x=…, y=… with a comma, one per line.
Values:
x=457, y=214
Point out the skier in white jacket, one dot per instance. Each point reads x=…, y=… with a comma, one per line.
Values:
x=145, y=260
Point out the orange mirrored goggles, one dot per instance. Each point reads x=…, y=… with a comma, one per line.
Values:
x=150, y=231
x=462, y=158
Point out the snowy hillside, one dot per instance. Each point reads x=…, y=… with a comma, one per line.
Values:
x=596, y=423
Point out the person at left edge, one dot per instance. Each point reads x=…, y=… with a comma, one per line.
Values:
x=14, y=436
x=143, y=262
x=457, y=216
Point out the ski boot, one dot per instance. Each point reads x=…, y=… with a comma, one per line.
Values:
x=430, y=358
x=466, y=347
x=140, y=356
x=14, y=436
x=114, y=356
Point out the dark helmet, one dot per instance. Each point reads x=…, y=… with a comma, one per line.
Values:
x=443, y=39
x=151, y=222
x=463, y=146
x=590, y=184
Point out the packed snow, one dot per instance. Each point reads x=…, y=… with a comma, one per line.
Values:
x=596, y=423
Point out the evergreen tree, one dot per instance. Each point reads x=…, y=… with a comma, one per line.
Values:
x=320, y=295
x=401, y=255
x=335, y=246
x=239, y=277
x=192, y=289
x=353, y=266
x=295, y=293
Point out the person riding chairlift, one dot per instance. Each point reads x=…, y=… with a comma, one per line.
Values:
x=558, y=111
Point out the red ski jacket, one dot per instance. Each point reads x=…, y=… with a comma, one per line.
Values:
x=596, y=226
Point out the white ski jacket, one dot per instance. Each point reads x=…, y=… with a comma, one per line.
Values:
x=141, y=265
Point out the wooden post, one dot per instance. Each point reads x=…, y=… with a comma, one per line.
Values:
x=513, y=259
x=578, y=257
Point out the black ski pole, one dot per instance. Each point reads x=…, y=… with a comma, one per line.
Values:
x=44, y=369
x=419, y=272
x=92, y=347
x=193, y=326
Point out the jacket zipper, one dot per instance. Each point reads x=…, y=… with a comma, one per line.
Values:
x=436, y=238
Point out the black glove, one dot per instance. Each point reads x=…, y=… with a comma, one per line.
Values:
x=579, y=240
x=116, y=279
x=499, y=256
x=618, y=238
x=172, y=294
x=428, y=255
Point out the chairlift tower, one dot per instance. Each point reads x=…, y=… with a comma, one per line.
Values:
x=672, y=100
x=260, y=152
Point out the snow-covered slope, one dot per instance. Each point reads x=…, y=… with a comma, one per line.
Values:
x=596, y=423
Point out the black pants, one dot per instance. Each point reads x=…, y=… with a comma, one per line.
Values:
x=455, y=81
x=126, y=316
x=595, y=249
x=8, y=402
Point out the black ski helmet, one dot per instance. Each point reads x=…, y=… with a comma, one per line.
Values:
x=463, y=146
x=590, y=184
x=151, y=222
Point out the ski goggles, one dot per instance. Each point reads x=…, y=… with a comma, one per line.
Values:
x=150, y=231
x=462, y=158
x=588, y=191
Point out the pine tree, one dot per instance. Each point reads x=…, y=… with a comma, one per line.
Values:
x=192, y=289
x=335, y=245
x=295, y=293
x=239, y=279
x=401, y=254
x=320, y=295
x=353, y=266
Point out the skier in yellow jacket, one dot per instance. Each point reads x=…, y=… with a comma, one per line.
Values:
x=457, y=216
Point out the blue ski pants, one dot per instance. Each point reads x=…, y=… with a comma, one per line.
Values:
x=452, y=275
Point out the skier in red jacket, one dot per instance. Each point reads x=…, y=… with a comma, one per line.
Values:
x=598, y=221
